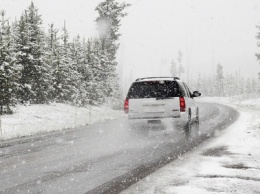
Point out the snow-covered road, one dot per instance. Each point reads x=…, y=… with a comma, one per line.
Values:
x=102, y=157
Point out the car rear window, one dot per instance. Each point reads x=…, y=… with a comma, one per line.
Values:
x=154, y=89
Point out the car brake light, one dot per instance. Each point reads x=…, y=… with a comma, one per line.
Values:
x=182, y=104
x=126, y=106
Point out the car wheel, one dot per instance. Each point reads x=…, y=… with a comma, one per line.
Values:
x=197, y=122
x=188, y=126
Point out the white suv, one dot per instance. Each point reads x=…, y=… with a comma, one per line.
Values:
x=153, y=99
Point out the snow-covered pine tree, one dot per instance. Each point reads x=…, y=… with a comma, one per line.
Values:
x=9, y=71
x=31, y=48
x=52, y=59
x=199, y=83
x=258, y=55
x=219, y=80
x=258, y=85
x=231, y=80
x=57, y=56
x=83, y=70
x=237, y=84
x=258, y=42
x=98, y=74
x=174, y=70
x=22, y=50
x=76, y=56
x=241, y=85
x=181, y=67
x=86, y=73
x=66, y=87
x=204, y=86
x=211, y=86
x=254, y=86
x=248, y=87
x=108, y=23
x=228, y=84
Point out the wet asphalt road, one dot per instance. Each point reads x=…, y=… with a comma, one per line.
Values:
x=103, y=158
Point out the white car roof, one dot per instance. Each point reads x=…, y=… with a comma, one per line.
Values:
x=157, y=79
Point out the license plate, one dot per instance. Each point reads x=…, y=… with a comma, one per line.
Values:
x=154, y=121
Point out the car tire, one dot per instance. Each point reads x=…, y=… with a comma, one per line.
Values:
x=197, y=122
x=188, y=126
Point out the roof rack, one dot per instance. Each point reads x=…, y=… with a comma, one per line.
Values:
x=139, y=79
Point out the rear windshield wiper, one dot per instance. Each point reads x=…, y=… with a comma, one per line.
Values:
x=162, y=98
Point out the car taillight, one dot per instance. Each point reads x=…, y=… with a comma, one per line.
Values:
x=182, y=104
x=126, y=106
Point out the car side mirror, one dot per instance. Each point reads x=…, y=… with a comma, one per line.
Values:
x=196, y=94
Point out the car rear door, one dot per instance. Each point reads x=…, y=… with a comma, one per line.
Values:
x=153, y=99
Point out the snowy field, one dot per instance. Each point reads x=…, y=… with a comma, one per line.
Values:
x=228, y=163
x=34, y=119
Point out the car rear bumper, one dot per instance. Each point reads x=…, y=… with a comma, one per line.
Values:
x=176, y=121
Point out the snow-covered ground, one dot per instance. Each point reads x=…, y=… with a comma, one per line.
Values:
x=229, y=163
x=33, y=119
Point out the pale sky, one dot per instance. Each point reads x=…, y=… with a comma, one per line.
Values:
x=206, y=31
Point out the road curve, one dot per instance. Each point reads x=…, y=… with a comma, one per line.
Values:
x=104, y=158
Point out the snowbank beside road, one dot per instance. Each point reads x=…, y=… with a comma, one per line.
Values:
x=230, y=163
x=33, y=119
